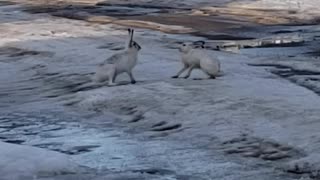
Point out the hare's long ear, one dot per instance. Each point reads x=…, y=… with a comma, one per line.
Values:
x=131, y=37
x=129, y=42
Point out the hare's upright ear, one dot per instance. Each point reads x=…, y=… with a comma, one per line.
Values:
x=130, y=31
x=131, y=37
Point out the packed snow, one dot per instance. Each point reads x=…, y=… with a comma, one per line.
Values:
x=249, y=112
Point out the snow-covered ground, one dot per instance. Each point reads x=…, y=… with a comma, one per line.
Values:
x=22, y=162
x=246, y=123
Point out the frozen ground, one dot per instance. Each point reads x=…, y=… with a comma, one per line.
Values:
x=22, y=162
x=245, y=124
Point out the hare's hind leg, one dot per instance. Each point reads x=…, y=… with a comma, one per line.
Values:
x=210, y=76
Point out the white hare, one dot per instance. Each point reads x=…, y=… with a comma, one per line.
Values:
x=122, y=62
x=194, y=56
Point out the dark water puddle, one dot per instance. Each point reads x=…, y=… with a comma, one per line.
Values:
x=273, y=44
x=220, y=36
x=286, y=31
x=6, y=3
x=264, y=43
x=74, y=150
x=69, y=11
x=14, y=141
x=155, y=171
x=146, y=6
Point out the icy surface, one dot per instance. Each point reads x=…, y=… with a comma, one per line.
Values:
x=246, y=123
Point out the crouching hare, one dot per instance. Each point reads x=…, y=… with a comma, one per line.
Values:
x=194, y=56
x=122, y=62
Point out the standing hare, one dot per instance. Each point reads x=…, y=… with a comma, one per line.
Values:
x=122, y=62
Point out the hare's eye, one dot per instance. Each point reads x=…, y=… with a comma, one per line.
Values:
x=183, y=44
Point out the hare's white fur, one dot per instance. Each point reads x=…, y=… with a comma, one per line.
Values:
x=194, y=56
x=122, y=62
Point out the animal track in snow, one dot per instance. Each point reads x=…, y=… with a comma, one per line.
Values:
x=259, y=148
x=165, y=127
